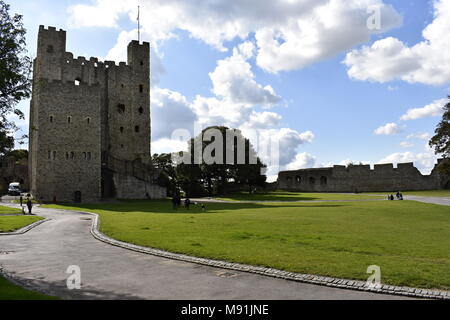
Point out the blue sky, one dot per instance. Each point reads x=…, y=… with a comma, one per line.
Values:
x=311, y=74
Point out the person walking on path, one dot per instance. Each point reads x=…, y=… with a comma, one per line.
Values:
x=21, y=200
x=30, y=206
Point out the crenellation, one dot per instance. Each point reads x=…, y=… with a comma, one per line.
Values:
x=75, y=108
x=360, y=178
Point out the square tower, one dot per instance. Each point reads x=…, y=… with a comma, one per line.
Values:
x=90, y=124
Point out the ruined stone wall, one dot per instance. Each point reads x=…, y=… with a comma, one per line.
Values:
x=13, y=171
x=360, y=178
x=132, y=188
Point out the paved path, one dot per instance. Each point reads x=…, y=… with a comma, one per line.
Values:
x=433, y=200
x=40, y=258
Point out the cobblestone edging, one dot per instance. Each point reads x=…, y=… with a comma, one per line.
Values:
x=24, y=229
x=305, y=278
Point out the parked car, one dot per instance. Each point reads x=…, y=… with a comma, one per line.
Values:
x=14, y=189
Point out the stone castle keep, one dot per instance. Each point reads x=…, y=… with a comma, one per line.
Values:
x=360, y=178
x=90, y=125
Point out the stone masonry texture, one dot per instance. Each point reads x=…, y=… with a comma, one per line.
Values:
x=85, y=114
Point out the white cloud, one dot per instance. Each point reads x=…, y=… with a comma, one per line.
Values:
x=166, y=145
x=432, y=110
x=426, y=62
x=104, y=13
x=388, y=129
x=233, y=80
x=263, y=120
x=119, y=53
x=406, y=144
x=424, y=161
x=288, y=141
x=422, y=136
x=289, y=34
x=170, y=111
x=302, y=161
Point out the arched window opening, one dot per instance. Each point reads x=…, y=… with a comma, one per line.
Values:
x=49, y=155
x=89, y=156
x=136, y=129
x=141, y=88
x=67, y=156
x=54, y=155
x=88, y=120
x=69, y=119
x=141, y=110
x=142, y=63
x=121, y=146
x=77, y=81
x=323, y=181
x=51, y=119
x=72, y=155
x=298, y=179
x=121, y=129
x=84, y=155
x=312, y=181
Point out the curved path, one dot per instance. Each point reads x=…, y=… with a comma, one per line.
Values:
x=40, y=258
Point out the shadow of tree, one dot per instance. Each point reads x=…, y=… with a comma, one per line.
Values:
x=165, y=206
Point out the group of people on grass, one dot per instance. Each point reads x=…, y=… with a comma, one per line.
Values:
x=28, y=202
x=399, y=196
x=176, y=202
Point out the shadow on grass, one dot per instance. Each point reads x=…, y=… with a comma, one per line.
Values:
x=272, y=196
x=165, y=206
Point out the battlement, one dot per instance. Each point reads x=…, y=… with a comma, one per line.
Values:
x=69, y=83
x=359, y=178
x=93, y=62
x=50, y=29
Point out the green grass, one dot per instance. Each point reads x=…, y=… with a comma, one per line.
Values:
x=9, y=291
x=429, y=193
x=7, y=210
x=13, y=223
x=280, y=196
x=408, y=240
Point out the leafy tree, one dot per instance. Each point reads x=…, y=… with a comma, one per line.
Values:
x=441, y=141
x=230, y=162
x=168, y=176
x=18, y=154
x=15, y=73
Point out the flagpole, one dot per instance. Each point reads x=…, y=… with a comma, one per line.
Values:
x=139, y=24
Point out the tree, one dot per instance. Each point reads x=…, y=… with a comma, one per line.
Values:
x=227, y=158
x=441, y=141
x=15, y=73
x=168, y=176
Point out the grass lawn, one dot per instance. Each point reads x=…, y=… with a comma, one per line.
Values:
x=408, y=240
x=7, y=210
x=9, y=291
x=429, y=193
x=12, y=223
x=280, y=196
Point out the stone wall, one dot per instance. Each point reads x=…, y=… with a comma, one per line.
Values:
x=360, y=178
x=129, y=187
x=82, y=113
x=13, y=171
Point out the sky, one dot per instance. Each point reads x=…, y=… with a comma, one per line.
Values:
x=325, y=82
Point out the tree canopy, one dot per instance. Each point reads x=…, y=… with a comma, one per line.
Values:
x=15, y=74
x=219, y=160
x=441, y=141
